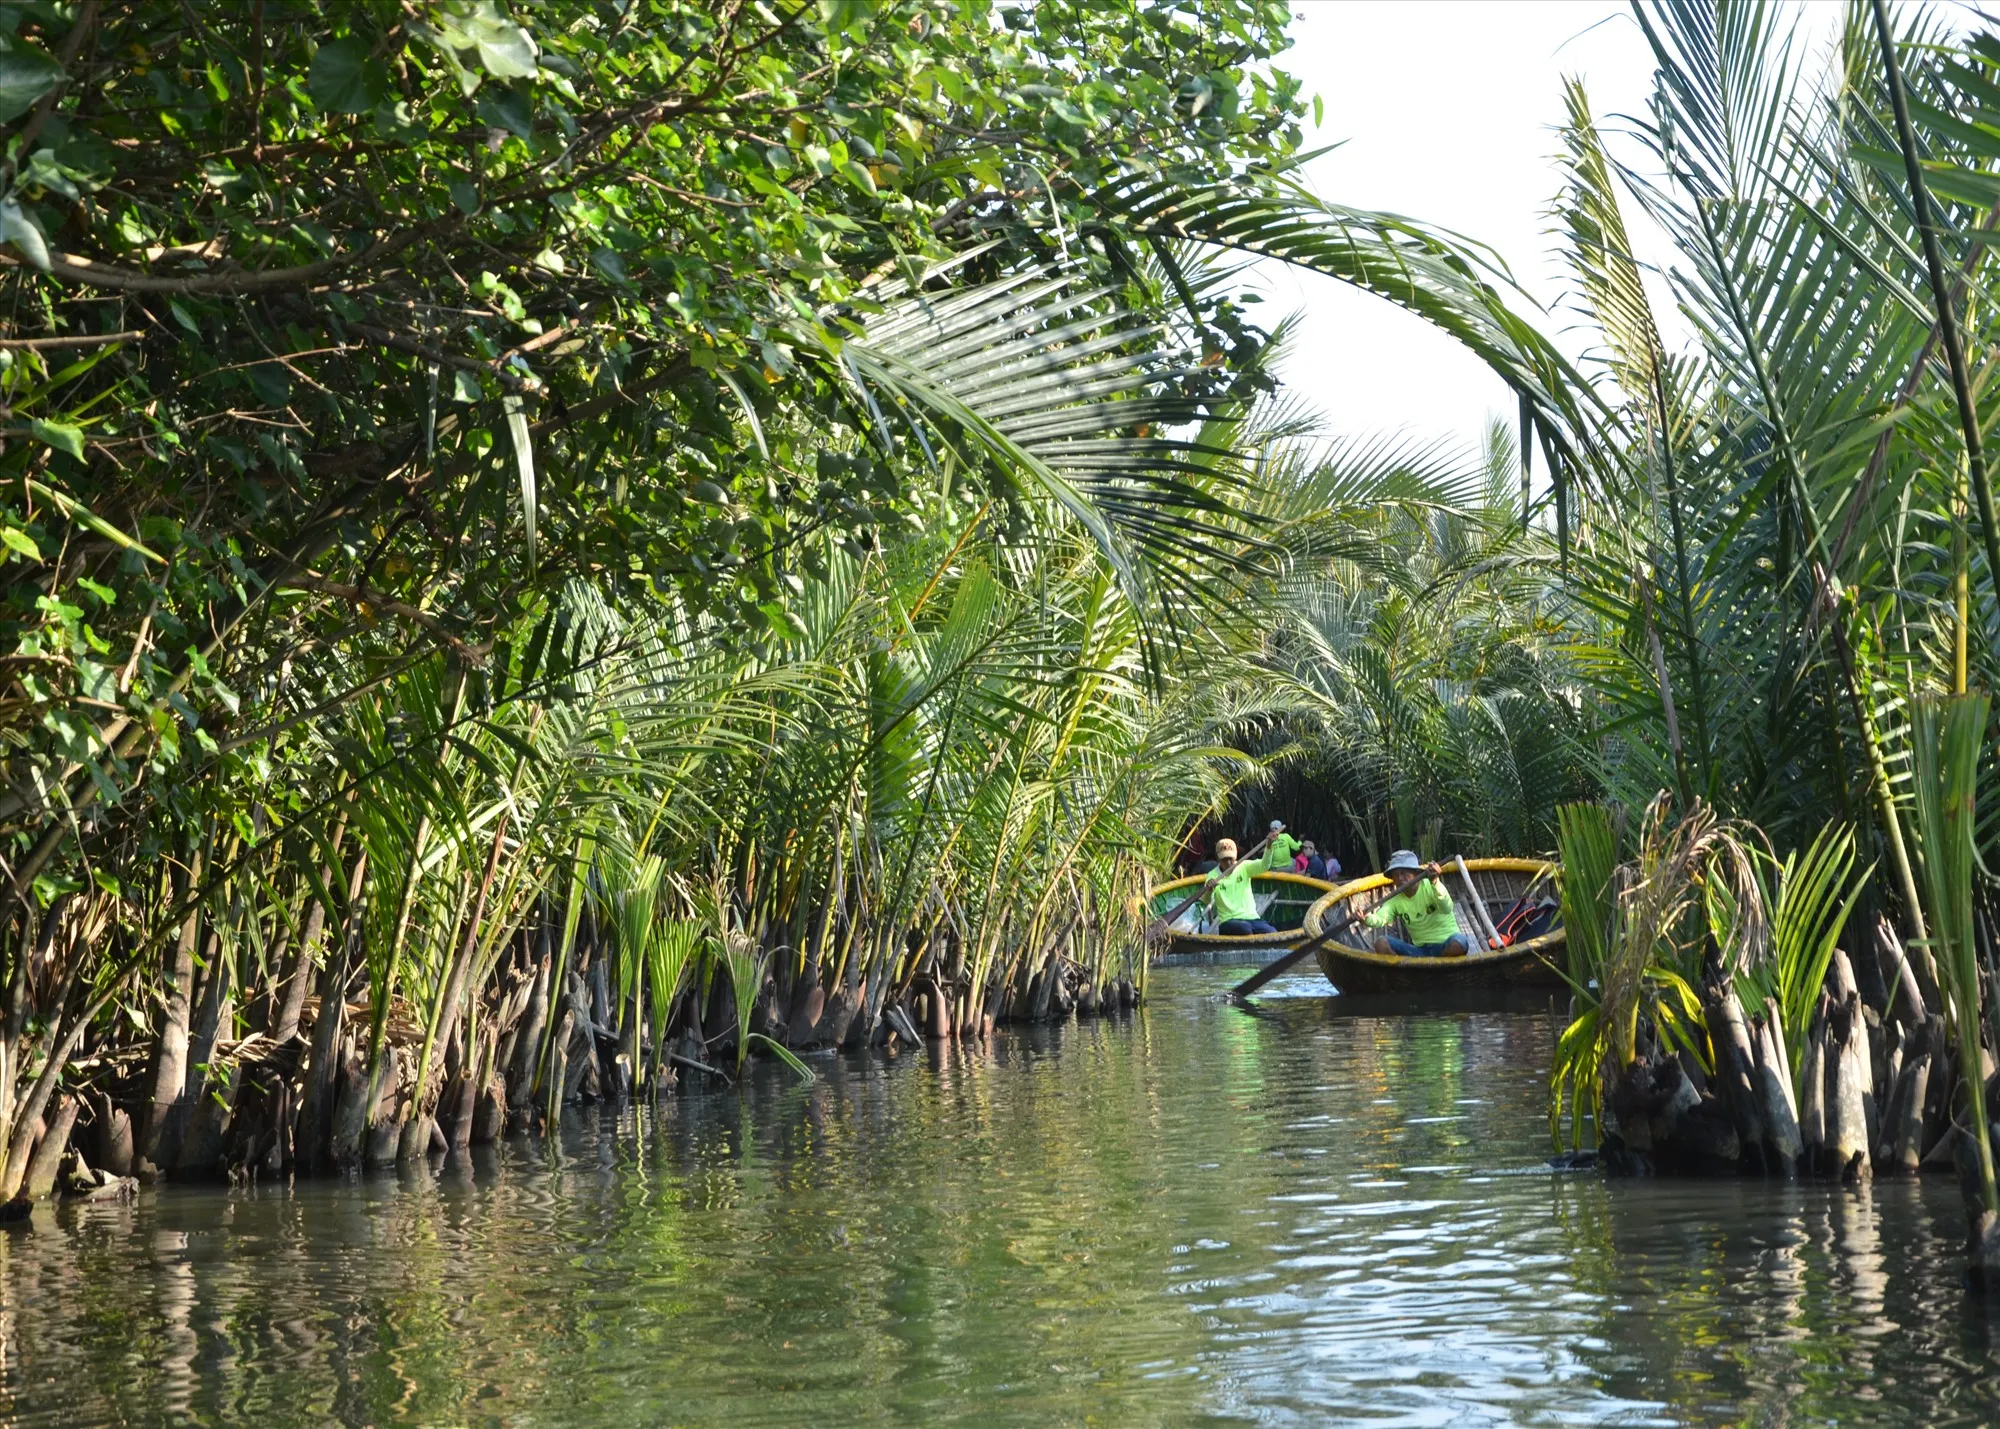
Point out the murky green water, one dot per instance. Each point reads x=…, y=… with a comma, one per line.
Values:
x=1191, y=1216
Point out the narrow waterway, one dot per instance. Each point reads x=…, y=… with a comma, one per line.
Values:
x=1191, y=1215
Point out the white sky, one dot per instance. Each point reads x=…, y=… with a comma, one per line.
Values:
x=1448, y=111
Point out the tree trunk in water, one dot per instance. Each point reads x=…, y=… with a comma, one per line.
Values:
x=528, y=1041
x=940, y=1014
x=387, y=1109
x=1849, y=1091
x=1774, y=1089
x=1903, y=1131
x=802, y=1012
x=170, y=1056
x=489, y=1102
x=208, y=1123
x=808, y=1016
x=582, y=1079
x=489, y=1117
x=1736, y=1069
x=1812, y=1091
x=213, y=1015
x=41, y=1170
x=559, y=1063
x=625, y=1066
x=29, y=1113
x=355, y=1111
x=837, y=1018
x=111, y=1146
x=286, y=1025
x=418, y=1135
x=313, y=1137
x=456, y=1107
x=448, y=1021
x=1943, y=1086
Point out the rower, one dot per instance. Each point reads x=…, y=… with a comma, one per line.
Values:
x=1228, y=891
x=1426, y=909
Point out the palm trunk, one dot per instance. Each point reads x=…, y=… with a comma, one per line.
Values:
x=291, y=1003
x=322, y=1087
x=285, y=1025
x=171, y=1044
x=445, y=1014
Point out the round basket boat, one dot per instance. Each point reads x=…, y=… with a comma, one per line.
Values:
x=1351, y=963
x=1283, y=900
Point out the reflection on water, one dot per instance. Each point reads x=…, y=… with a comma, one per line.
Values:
x=1189, y=1216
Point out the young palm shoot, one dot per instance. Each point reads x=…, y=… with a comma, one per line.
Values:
x=741, y=960
x=1945, y=737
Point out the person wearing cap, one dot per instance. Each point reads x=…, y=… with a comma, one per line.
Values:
x=1426, y=909
x=1229, y=893
x=1281, y=848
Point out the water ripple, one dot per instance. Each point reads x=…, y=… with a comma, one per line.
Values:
x=1189, y=1217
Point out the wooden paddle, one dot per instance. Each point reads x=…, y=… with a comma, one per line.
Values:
x=1483, y=928
x=1163, y=923
x=1278, y=967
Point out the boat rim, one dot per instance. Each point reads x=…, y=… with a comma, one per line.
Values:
x=1316, y=916
x=1244, y=940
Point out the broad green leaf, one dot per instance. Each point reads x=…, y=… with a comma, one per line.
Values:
x=25, y=76
x=506, y=51
x=841, y=16
x=343, y=80
x=19, y=540
x=607, y=262
x=271, y=382
x=43, y=172
x=19, y=229
x=858, y=175
x=504, y=107
x=60, y=435
x=448, y=42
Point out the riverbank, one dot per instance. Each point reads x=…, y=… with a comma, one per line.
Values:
x=1188, y=1215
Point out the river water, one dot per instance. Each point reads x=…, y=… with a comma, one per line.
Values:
x=1187, y=1216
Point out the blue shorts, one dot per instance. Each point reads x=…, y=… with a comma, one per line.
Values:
x=1244, y=927
x=1423, y=950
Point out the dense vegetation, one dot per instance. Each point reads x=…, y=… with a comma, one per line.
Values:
x=1782, y=555
x=546, y=546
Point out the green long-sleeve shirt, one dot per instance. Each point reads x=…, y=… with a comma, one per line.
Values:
x=1231, y=895
x=1426, y=910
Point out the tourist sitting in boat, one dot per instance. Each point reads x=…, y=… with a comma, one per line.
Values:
x=1228, y=892
x=1426, y=909
x=1313, y=864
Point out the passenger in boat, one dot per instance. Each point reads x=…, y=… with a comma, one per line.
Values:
x=1426, y=909
x=1229, y=892
x=1314, y=864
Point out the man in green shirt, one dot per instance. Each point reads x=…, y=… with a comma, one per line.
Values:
x=1426, y=909
x=1229, y=892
